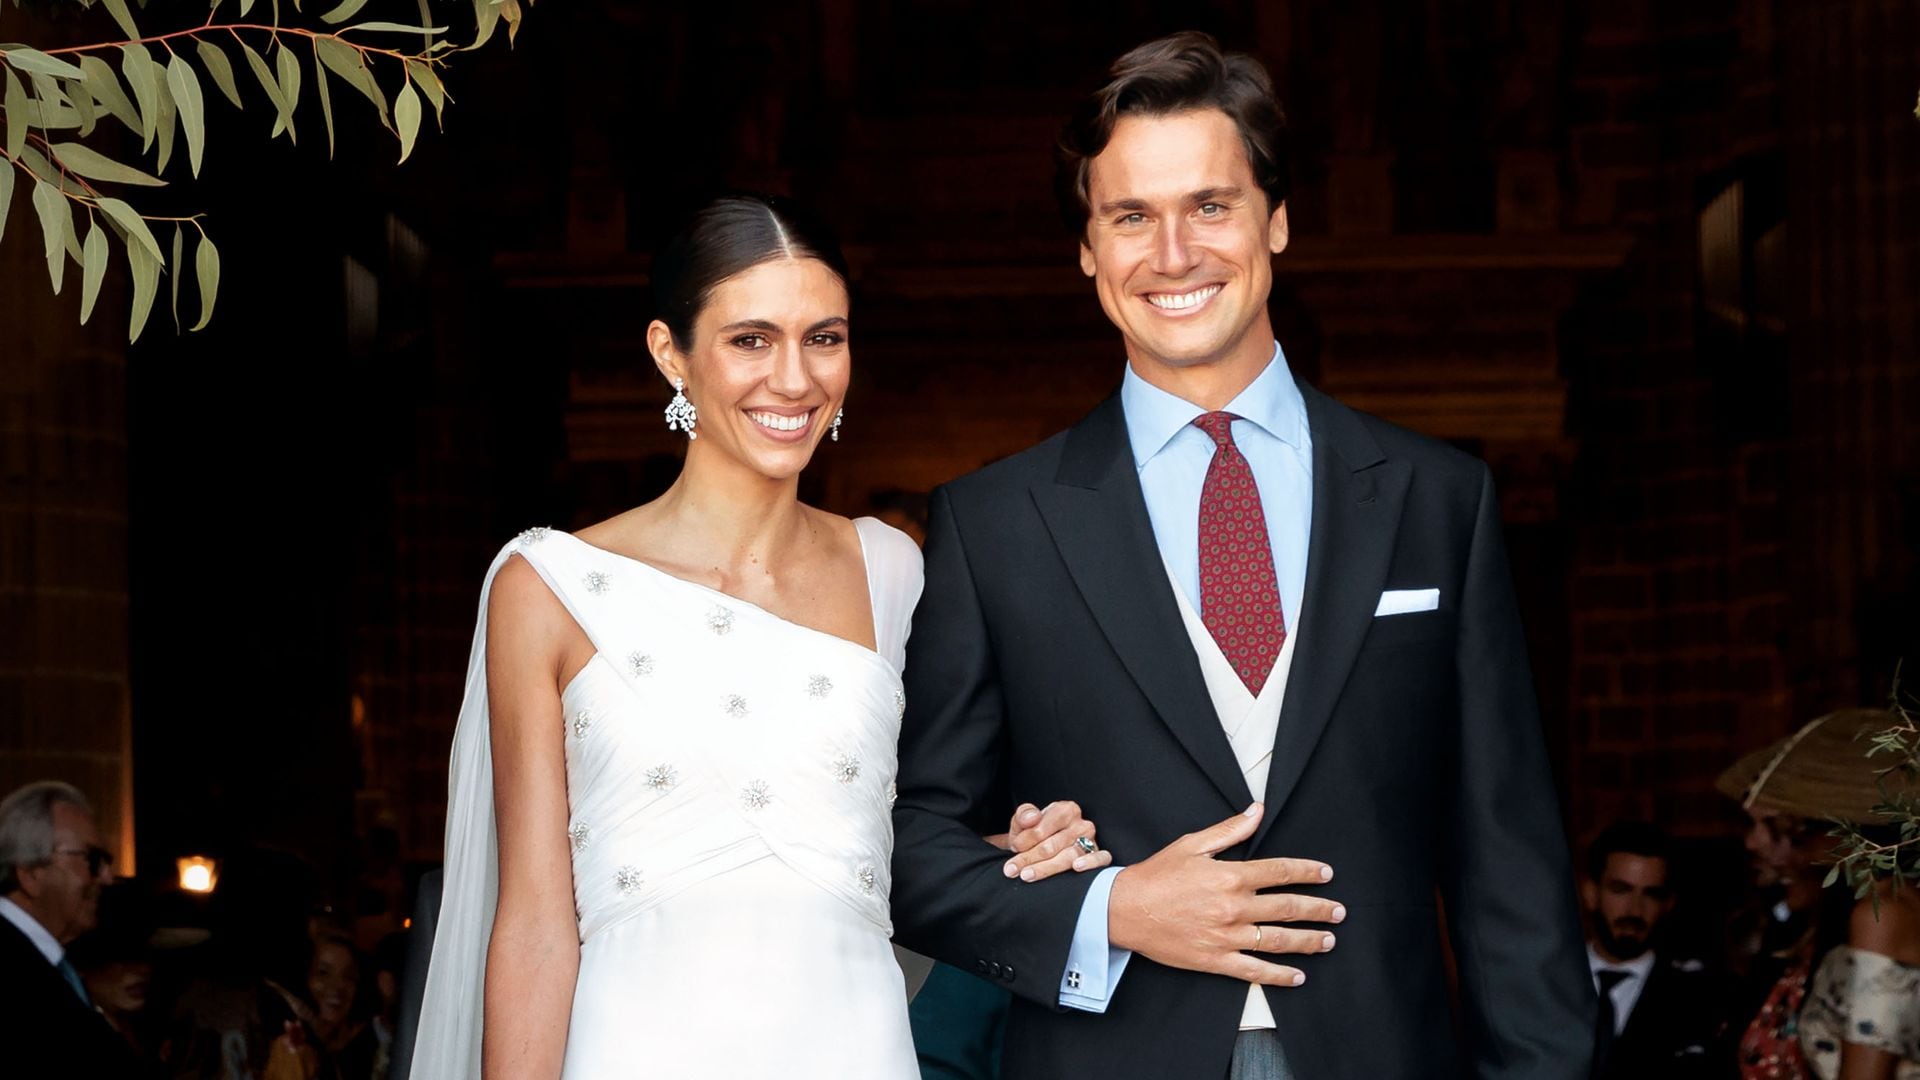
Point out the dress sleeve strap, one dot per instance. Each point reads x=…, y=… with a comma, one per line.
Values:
x=894, y=580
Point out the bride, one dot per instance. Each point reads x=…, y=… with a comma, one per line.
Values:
x=668, y=830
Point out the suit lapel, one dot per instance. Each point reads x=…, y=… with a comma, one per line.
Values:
x=1098, y=519
x=1357, y=495
x=1644, y=1021
x=28, y=961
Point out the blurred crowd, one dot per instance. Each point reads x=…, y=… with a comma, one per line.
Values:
x=272, y=976
x=1701, y=969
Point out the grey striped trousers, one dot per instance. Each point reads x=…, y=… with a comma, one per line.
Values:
x=1257, y=1056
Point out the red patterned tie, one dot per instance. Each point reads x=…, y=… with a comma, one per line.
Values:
x=1239, y=597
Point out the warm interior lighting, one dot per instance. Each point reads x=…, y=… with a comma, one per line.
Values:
x=198, y=874
x=406, y=924
x=1722, y=276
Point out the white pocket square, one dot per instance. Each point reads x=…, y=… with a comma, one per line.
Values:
x=1405, y=601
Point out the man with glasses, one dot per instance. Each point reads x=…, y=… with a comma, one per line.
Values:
x=52, y=868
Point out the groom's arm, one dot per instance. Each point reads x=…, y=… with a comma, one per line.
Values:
x=1508, y=885
x=951, y=899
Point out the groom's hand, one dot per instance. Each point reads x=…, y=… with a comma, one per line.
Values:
x=1186, y=909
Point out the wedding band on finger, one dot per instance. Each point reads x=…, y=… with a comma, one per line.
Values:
x=1258, y=936
x=1085, y=845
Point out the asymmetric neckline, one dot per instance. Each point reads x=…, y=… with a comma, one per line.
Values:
x=866, y=571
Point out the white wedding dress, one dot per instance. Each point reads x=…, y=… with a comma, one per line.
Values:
x=729, y=785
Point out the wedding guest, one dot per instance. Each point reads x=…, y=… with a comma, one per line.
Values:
x=52, y=868
x=116, y=965
x=234, y=1006
x=328, y=1037
x=1844, y=1000
x=1658, y=1016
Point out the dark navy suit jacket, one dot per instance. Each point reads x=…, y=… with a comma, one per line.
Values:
x=1049, y=661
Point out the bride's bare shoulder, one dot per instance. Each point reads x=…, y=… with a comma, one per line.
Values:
x=620, y=533
x=840, y=530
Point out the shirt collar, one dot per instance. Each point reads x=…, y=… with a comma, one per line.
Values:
x=1639, y=967
x=43, y=940
x=1271, y=401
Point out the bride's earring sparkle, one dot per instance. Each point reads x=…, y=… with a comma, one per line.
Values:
x=834, y=431
x=680, y=412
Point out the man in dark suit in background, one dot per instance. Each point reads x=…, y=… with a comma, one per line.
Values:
x=52, y=868
x=1223, y=586
x=1658, y=1015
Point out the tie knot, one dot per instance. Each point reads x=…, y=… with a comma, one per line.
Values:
x=1218, y=425
x=1610, y=978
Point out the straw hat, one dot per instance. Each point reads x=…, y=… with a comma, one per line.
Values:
x=1821, y=771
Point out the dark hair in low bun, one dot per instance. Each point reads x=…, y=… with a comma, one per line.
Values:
x=727, y=236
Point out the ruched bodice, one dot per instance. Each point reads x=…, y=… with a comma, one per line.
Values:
x=706, y=733
x=729, y=787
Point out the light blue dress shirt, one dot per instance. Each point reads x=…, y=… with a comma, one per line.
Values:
x=1172, y=457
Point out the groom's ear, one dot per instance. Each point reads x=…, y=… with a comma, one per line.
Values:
x=1277, y=229
x=1086, y=259
x=660, y=349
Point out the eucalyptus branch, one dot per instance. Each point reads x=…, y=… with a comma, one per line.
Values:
x=57, y=182
x=53, y=99
x=434, y=56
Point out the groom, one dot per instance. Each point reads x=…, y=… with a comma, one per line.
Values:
x=1235, y=620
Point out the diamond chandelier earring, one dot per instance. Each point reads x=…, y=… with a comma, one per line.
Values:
x=680, y=412
x=834, y=431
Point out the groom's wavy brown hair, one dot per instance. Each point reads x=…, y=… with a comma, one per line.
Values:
x=1175, y=74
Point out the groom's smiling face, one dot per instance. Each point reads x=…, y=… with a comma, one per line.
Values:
x=1180, y=240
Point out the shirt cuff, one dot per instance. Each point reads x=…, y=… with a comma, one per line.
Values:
x=1094, y=966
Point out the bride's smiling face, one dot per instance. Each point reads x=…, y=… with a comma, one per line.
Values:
x=767, y=364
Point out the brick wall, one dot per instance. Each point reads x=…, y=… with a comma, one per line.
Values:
x=64, y=689
x=1679, y=583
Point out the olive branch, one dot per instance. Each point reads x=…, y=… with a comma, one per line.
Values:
x=1894, y=852
x=51, y=99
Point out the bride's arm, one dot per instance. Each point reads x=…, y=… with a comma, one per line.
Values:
x=534, y=954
